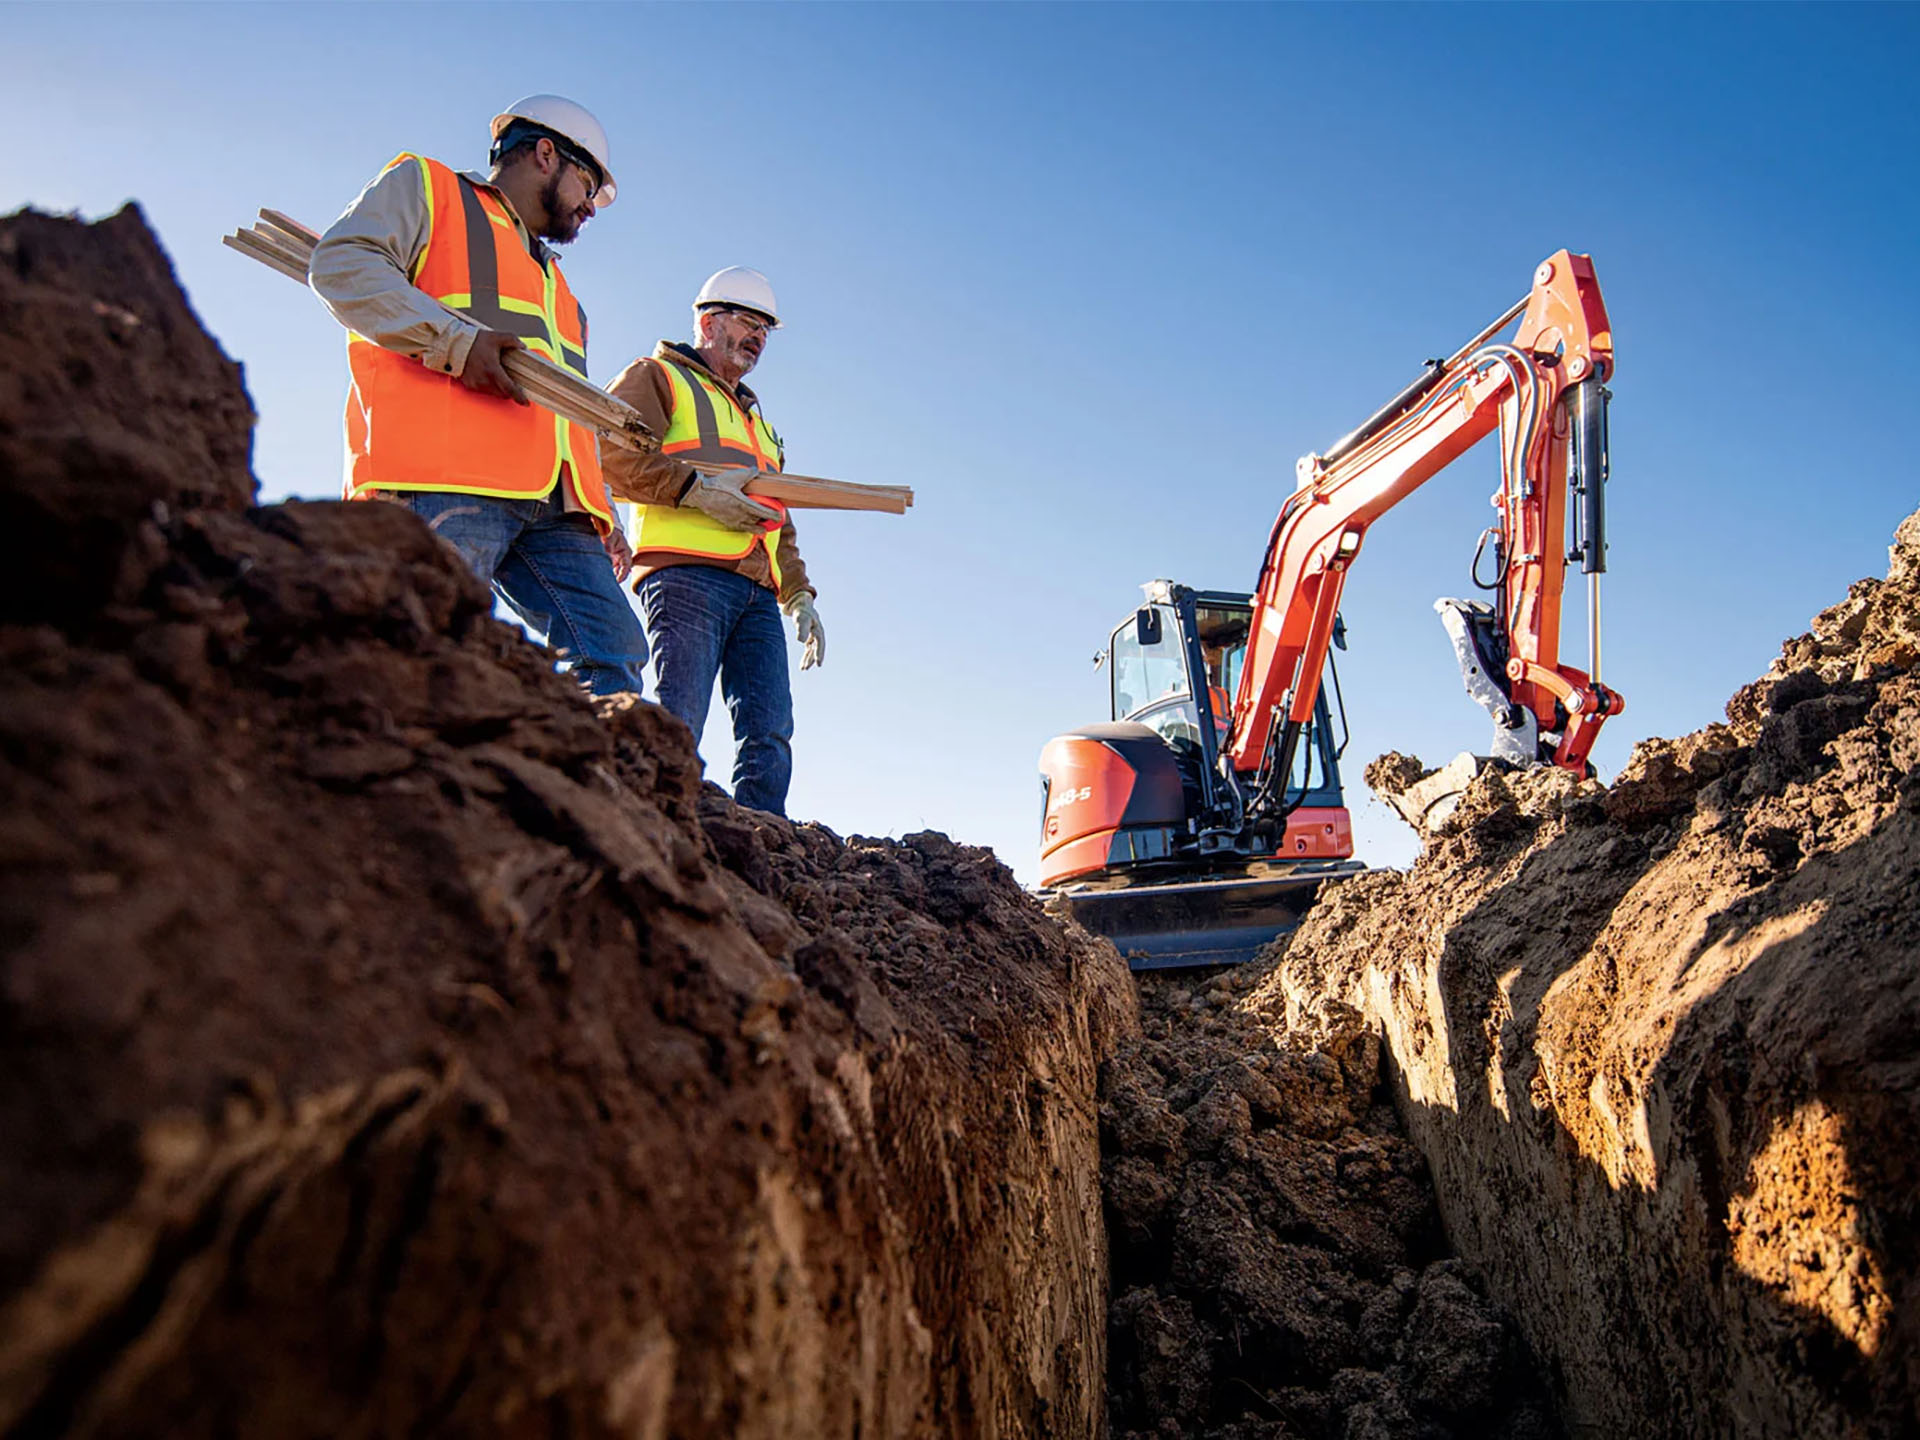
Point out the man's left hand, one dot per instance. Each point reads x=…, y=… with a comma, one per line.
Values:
x=808, y=630
x=618, y=552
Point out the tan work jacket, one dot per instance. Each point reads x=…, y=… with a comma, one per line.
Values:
x=660, y=479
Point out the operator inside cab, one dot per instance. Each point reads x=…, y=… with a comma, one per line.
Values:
x=1218, y=700
x=1150, y=675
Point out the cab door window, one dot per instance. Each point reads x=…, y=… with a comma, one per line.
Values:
x=1144, y=674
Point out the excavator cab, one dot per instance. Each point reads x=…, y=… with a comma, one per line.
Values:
x=1136, y=812
x=1150, y=684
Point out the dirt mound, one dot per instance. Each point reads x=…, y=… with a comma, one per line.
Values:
x=1657, y=1044
x=1277, y=1257
x=113, y=401
x=396, y=1042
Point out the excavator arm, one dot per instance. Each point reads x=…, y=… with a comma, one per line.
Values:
x=1188, y=847
x=1543, y=392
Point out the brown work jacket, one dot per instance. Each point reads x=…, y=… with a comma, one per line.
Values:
x=660, y=479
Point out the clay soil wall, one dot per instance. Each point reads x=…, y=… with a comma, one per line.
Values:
x=1660, y=1045
x=393, y=1042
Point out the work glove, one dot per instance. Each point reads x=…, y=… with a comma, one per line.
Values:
x=808, y=630
x=721, y=497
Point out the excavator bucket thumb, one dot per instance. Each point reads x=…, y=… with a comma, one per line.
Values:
x=1191, y=923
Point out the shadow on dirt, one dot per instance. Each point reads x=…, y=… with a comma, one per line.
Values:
x=1277, y=1263
x=1684, y=1139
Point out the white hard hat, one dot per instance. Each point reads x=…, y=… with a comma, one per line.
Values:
x=736, y=285
x=570, y=121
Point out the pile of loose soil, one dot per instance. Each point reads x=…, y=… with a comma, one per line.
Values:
x=1658, y=1044
x=396, y=1042
x=1278, y=1264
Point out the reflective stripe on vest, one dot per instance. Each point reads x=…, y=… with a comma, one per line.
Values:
x=410, y=428
x=709, y=425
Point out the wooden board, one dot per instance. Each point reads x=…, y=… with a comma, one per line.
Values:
x=284, y=244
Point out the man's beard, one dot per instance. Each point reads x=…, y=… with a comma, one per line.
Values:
x=561, y=229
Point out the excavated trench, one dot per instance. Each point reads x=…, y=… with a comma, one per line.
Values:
x=1641, y=1062
x=1278, y=1265
x=393, y=1041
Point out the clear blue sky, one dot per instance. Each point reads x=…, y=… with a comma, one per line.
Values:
x=1064, y=269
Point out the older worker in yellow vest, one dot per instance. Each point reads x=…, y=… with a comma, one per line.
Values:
x=436, y=423
x=713, y=567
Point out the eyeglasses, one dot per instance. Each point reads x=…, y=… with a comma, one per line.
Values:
x=589, y=176
x=752, y=319
x=587, y=179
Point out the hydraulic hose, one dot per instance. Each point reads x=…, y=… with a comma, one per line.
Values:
x=1430, y=376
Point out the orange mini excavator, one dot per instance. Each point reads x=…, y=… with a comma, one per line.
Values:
x=1191, y=830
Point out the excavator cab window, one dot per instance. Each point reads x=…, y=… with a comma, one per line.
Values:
x=1223, y=648
x=1146, y=672
x=1151, y=683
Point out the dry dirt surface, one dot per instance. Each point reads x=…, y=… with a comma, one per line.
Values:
x=393, y=1042
x=1660, y=1045
x=1278, y=1264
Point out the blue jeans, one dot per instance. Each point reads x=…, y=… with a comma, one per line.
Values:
x=705, y=622
x=548, y=565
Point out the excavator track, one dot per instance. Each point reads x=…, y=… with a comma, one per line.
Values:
x=1196, y=918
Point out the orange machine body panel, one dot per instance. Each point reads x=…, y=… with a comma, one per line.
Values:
x=1319, y=832
x=1115, y=799
x=1113, y=795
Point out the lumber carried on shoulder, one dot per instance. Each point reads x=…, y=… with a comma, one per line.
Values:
x=284, y=244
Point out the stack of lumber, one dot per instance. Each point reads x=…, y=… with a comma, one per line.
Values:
x=284, y=244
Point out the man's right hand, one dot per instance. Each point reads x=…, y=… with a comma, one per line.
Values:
x=723, y=498
x=485, y=373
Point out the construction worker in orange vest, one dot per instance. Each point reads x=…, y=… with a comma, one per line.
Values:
x=714, y=567
x=435, y=421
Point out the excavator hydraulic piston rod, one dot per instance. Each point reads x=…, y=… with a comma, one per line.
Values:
x=1422, y=384
x=1589, y=404
x=1389, y=412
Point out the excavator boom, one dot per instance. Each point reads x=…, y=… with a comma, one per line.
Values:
x=1564, y=347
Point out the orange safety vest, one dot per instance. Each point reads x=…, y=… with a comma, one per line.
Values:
x=411, y=428
x=709, y=424
x=1221, y=706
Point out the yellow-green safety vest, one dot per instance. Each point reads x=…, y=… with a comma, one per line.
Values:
x=709, y=425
